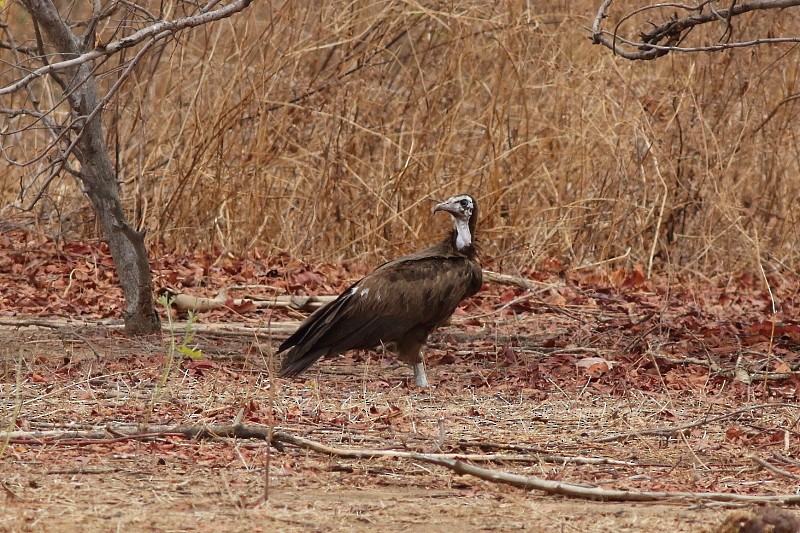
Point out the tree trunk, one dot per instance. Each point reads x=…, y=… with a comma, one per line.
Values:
x=97, y=173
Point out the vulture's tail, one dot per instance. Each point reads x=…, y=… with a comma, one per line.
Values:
x=309, y=342
x=298, y=360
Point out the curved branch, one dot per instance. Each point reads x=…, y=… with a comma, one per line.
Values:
x=155, y=32
x=665, y=37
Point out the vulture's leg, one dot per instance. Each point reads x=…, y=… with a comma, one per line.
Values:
x=410, y=351
x=419, y=375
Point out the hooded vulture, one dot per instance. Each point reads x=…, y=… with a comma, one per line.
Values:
x=398, y=303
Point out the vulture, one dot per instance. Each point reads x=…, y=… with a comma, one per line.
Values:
x=399, y=303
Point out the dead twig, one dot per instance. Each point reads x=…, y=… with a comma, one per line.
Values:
x=771, y=467
x=50, y=324
x=83, y=471
x=10, y=494
x=783, y=459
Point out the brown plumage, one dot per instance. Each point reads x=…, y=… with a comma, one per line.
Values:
x=400, y=302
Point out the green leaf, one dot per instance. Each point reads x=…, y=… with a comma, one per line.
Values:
x=191, y=353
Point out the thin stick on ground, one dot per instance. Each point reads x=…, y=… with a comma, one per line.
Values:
x=117, y=433
x=771, y=467
x=457, y=465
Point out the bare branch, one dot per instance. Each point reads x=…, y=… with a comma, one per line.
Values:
x=155, y=32
x=667, y=36
x=22, y=112
x=62, y=163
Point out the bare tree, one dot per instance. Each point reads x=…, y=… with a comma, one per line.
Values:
x=674, y=22
x=73, y=120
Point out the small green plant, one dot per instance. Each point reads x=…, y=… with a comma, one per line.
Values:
x=182, y=350
x=186, y=348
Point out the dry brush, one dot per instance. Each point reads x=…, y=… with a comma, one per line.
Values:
x=320, y=130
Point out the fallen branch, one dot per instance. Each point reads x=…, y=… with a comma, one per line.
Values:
x=113, y=434
x=24, y=323
x=82, y=471
x=182, y=301
x=534, y=483
x=274, y=330
x=122, y=432
x=10, y=495
x=506, y=279
x=350, y=453
x=186, y=302
x=453, y=462
x=598, y=493
x=270, y=330
x=116, y=433
x=785, y=460
x=737, y=373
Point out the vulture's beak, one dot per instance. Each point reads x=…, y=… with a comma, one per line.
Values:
x=447, y=206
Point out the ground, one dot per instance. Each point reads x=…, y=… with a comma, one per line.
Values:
x=611, y=381
x=168, y=482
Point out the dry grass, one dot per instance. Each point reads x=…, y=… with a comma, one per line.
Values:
x=321, y=129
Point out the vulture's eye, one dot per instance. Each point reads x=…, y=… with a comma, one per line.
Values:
x=464, y=203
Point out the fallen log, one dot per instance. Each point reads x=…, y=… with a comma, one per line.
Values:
x=182, y=301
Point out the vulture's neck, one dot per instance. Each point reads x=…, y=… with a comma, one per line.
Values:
x=463, y=235
x=462, y=238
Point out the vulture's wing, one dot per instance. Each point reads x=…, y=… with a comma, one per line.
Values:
x=412, y=293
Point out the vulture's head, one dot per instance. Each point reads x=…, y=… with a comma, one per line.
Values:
x=464, y=211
